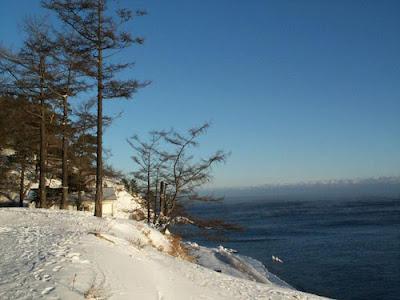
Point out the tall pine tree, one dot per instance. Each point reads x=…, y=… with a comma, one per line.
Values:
x=26, y=74
x=100, y=30
x=72, y=59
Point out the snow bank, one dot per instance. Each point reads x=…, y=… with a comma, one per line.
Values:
x=51, y=183
x=54, y=254
x=126, y=204
x=227, y=261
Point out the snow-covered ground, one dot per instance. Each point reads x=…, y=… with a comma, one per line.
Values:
x=54, y=254
x=126, y=204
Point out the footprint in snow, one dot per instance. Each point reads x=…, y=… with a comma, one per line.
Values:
x=56, y=268
x=46, y=277
x=74, y=254
x=4, y=229
x=47, y=290
x=37, y=276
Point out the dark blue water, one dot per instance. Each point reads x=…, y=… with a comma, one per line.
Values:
x=339, y=249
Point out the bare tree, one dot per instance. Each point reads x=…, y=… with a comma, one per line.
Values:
x=148, y=159
x=167, y=160
x=131, y=185
x=186, y=174
x=102, y=36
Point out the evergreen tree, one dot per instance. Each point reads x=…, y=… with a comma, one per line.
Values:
x=72, y=62
x=82, y=154
x=101, y=34
x=18, y=132
x=26, y=74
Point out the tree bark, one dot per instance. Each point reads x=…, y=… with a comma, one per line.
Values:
x=161, y=198
x=21, y=185
x=148, y=195
x=42, y=168
x=98, y=211
x=165, y=200
x=64, y=196
x=155, y=200
x=79, y=204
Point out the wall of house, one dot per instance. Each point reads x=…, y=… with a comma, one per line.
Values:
x=108, y=207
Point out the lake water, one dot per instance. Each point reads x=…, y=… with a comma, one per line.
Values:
x=344, y=249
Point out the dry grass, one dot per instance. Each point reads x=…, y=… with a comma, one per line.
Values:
x=138, y=243
x=178, y=249
x=100, y=236
x=101, y=227
x=146, y=233
x=94, y=293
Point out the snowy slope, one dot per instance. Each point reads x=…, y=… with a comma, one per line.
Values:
x=53, y=254
x=126, y=204
x=228, y=262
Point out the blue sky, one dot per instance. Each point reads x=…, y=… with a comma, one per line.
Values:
x=296, y=90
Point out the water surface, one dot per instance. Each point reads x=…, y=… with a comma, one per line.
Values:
x=345, y=249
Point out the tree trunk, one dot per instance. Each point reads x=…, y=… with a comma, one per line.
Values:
x=155, y=202
x=148, y=197
x=165, y=206
x=64, y=196
x=21, y=185
x=79, y=203
x=42, y=174
x=161, y=198
x=98, y=211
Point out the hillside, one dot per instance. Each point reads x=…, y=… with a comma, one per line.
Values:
x=54, y=254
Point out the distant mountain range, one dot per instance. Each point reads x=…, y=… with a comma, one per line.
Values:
x=329, y=189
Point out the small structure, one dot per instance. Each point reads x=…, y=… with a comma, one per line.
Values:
x=108, y=203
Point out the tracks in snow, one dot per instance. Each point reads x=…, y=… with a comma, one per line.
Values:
x=34, y=249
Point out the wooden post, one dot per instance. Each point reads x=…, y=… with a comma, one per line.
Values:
x=155, y=200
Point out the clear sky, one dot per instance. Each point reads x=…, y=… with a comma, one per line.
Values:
x=296, y=90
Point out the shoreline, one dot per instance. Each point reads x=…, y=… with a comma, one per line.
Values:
x=72, y=254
